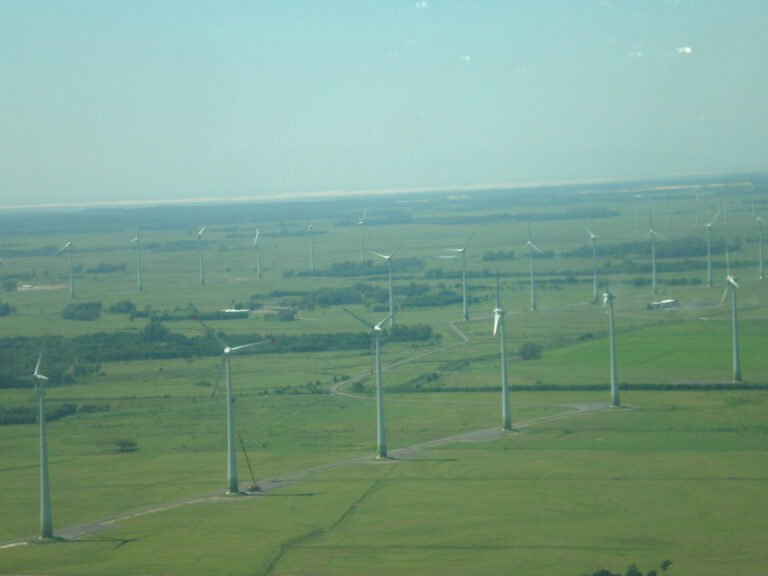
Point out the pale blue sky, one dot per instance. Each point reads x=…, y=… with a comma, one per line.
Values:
x=138, y=100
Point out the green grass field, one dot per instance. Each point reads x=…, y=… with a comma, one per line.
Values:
x=676, y=475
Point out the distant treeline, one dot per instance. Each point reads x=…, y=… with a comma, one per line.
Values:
x=672, y=248
x=66, y=359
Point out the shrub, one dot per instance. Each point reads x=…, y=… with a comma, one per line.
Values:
x=82, y=311
x=122, y=307
x=530, y=351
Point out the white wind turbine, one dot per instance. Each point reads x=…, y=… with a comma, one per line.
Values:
x=608, y=301
x=388, y=260
x=311, y=248
x=361, y=225
x=258, y=254
x=463, y=252
x=68, y=248
x=498, y=328
x=593, y=237
x=531, y=248
x=732, y=285
x=652, y=235
x=200, y=245
x=760, y=246
x=137, y=241
x=708, y=226
x=46, y=522
x=232, y=484
x=381, y=431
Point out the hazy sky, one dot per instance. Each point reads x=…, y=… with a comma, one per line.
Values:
x=135, y=100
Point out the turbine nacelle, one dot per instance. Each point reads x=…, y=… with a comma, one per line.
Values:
x=607, y=298
x=592, y=235
x=200, y=232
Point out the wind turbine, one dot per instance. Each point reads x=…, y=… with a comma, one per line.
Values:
x=46, y=521
x=388, y=260
x=68, y=248
x=732, y=285
x=760, y=246
x=652, y=235
x=608, y=301
x=258, y=254
x=361, y=225
x=232, y=484
x=531, y=248
x=708, y=226
x=593, y=237
x=140, y=281
x=381, y=432
x=463, y=252
x=311, y=249
x=200, y=243
x=498, y=328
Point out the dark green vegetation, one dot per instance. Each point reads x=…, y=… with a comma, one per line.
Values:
x=678, y=475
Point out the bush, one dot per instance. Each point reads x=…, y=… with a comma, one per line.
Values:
x=530, y=351
x=122, y=307
x=82, y=311
x=125, y=445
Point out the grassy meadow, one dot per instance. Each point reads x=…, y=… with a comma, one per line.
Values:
x=675, y=474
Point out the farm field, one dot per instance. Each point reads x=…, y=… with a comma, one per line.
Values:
x=677, y=473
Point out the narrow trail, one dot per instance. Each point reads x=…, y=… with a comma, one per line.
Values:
x=268, y=484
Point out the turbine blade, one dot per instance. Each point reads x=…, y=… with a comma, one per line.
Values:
x=67, y=245
x=592, y=236
x=39, y=363
x=732, y=281
x=256, y=238
x=713, y=219
x=381, y=255
x=200, y=233
x=497, y=314
x=359, y=318
x=212, y=333
x=532, y=245
x=218, y=375
x=380, y=324
x=246, y=346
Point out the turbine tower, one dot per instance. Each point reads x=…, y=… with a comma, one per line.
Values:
x=46, y=521
x=388, y=260
x=140, y=281
x=311, y=248
x=608, y=301
x=652, y=235
x=708, y=226
x=200, y=244
x=232, y=484
x=68, y=248
x=463, y=252
x=593, y=238
x=531, y=248
x=361, y=225
x=381, y=431
x=258, y=254
x=498, y=328
x=760, y=246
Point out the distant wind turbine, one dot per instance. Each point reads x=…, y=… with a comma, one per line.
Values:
x=232, y=483
x=200, y=245
x=311, y=248
x=652, y=235
x=733, y=286
x=137, y=241
x=708, y=226
x=361, y=225
x=608, y=301
x=381, y=431
x=593, y=237
x=258, y=254
x=498, y=329
x=68, y=248
x=46, y=521
x=388, y=260
x=531, y=249
x=760, y=246
x=463, y=252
